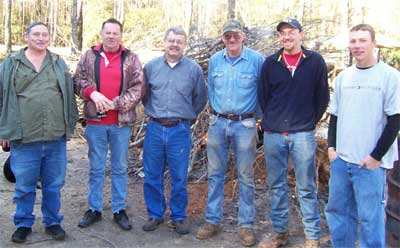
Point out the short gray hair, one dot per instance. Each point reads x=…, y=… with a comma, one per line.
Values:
x=176, y=30
x=34, y=24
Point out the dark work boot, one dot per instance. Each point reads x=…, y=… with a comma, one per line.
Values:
x=20, y=235
x=122, y=220
x=89, y=218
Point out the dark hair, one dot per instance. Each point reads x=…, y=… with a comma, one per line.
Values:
x=34, y=24
x=364, y=27
x=112, y=20
x=176, y=30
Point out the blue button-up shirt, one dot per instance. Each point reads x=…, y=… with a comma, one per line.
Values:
x=178, y=92
x=232, y=86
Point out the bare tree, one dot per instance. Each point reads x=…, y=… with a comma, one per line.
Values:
x=76, y=26
x=7, y=24
x=120, y=11
x=231, y=9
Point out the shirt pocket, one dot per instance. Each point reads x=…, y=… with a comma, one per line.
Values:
x=218, y=77
x=247, y=80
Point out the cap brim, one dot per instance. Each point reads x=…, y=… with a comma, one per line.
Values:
x=283, y=23
x=232, y=30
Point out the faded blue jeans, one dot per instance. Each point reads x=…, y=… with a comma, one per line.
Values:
x=301, y=148
x=356, y=197
x=162, y=146
x=44, y=160
x=242, y=137
x=99, y=138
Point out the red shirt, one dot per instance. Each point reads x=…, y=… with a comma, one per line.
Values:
x=292, y=60
x=110, y=83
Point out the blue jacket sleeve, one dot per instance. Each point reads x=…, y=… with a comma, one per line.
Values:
x=322, y=90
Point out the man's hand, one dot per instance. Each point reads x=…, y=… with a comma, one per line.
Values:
x=332, y=154
x=5, y=144
x=370, y=163
x=102, y=103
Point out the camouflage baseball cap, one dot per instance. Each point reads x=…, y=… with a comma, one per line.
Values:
x=232, y=25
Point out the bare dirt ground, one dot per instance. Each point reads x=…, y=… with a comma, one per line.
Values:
x=107, y=234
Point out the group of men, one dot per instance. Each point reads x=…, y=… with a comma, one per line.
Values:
x=288, y=90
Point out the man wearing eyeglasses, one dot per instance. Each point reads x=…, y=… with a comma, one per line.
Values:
x=175, y=94
x=233, y=77
x=293, y=95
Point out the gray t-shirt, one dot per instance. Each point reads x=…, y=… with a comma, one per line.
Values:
x=363, y=98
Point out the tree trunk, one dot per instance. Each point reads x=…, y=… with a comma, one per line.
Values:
x=194, y=20
x=121, y=11
x=80, y=26
x=74, y=27
x=231, y=9
x=7, y=25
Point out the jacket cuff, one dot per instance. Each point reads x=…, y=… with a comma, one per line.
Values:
x=89, y=91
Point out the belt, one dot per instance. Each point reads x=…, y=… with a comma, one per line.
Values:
x=233, y=117
x=167, y=123
x=284, y=133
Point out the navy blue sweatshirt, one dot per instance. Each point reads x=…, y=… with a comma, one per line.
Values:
x=293, y=104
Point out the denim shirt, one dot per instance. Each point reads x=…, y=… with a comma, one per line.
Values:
x=178, y=92
x=232, y=87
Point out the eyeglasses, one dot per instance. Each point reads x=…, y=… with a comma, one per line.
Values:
x=230, y=36
x=179, y=42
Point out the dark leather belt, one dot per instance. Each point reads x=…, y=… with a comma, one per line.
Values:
x=167, y=123
x=233, y=117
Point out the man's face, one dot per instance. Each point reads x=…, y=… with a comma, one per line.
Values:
x=38, y=38
x=290, y=38
x=174, y=45
x=233, y=42
x=361, y=45
x=111, y=37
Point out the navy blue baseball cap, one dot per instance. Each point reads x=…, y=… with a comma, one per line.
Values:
x=291, y=22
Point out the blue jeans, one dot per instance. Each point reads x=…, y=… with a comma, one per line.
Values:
x=162, y=146
x=356, y=196
x=99, y=137
x=44, y=160
x=301, y=148
x=241, y=135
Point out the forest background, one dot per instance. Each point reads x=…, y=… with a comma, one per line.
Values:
x=75, y=24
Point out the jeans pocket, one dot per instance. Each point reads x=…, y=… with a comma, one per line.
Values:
x=249, y=123
x=212, y=120
x=15, y=144
x=384, y=179
x=331, y=162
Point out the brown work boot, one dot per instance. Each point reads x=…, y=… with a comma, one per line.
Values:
x=247, y=237
x=207, y=230
x=277, y=240
x=312, y=243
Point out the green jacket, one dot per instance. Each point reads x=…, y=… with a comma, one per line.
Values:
x=10, y=119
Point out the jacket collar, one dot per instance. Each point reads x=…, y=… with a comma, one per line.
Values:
x=306, y=53
x=20, y=55
x=99, y=48
x=179, y=61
